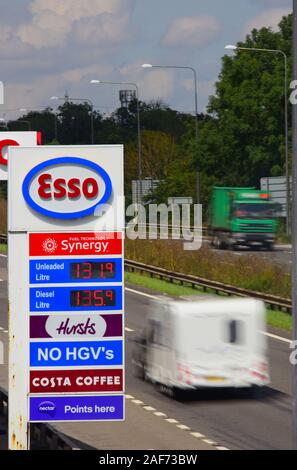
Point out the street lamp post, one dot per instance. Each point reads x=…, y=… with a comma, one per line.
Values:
x=100, y=82
x=294, y=226
x=278, y=51
x=3, y=121
x=85, y=100
x=150, y=66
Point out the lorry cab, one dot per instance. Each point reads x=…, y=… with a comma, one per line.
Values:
x=242, y=216
x=207, y=343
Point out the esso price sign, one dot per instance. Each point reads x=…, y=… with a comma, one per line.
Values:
x=67, y=188
x=15, y=139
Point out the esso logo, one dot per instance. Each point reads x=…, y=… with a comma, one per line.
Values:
x=67, y=188
x=4, y=144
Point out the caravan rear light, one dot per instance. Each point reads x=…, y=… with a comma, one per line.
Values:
x=260, y=370
x=184, y=374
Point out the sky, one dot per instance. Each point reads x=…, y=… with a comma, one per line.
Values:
x=50, y=46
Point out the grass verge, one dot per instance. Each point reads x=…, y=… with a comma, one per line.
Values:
x=250, y=271
x=275, y=318
x=3, y=248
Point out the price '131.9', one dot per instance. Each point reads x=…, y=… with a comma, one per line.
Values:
x=92, y=270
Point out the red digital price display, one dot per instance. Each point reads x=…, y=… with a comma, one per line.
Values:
x=93, y=298
x=93, y=270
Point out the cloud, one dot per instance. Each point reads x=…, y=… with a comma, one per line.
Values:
x=205, y=88
x=157, y=85
x=53, y=21
x=77, y=9
x=269, y=18
x=103, y=29
x=153, y=83
x=192, y=31
x=188, y=84
x=38, y=91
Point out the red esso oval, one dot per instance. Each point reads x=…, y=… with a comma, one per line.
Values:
x=3, y=149
x=73, y=188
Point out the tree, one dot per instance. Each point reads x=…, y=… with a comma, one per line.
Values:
x=245, y=139
x=43, y=121
x=158, y=151
x=74, y=123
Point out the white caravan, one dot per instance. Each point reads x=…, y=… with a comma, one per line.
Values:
x=207, y=343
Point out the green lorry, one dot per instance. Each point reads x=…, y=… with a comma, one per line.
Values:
x=242, y=216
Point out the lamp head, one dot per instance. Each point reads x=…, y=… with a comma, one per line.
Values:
x=231, y=47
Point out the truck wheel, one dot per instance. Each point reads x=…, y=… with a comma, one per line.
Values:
x=165, y=390
x=217, y=243
x=179, y=394
x=138, y=370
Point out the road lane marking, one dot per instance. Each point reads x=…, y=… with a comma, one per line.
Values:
x=172, y=421
x=197, y=435
x=176, y=423
x=138, y=402
x=149, y=408
x=210, y=442
x=129, y=330
x=160, y=414
x=279, y=338
x=142, y=293
x=183, y=427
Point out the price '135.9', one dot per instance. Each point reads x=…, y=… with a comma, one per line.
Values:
x=93, y=298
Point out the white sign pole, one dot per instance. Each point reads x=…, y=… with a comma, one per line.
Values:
x=18, y=343
x=66, y=291
x=18, y=417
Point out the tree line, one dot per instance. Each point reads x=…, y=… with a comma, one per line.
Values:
x=241, y=133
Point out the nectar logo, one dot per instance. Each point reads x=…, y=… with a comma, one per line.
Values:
x=47, y=407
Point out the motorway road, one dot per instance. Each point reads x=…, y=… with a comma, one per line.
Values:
x=282, y=254
x=234, y=420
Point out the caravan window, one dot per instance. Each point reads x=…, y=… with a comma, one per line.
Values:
x=155, y=332
x=235, y=332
